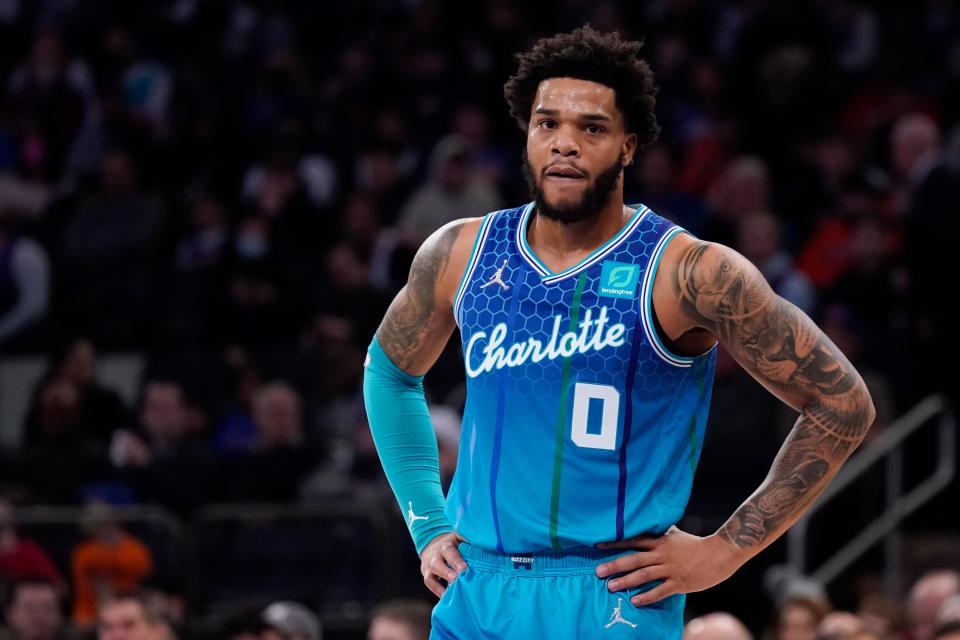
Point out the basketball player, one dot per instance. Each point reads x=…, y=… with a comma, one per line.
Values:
x=589, y=334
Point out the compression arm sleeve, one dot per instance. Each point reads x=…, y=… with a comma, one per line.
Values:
x=403, y=435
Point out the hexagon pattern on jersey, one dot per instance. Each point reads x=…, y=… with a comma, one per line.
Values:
x=510, y=469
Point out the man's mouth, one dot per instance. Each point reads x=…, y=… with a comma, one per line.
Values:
x=564, y=173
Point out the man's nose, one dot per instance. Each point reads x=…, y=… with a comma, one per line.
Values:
x=565, y=144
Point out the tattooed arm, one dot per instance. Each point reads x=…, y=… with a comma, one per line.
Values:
x=419, y=322
x=720, y=291
x=410, y=338
x=706, y=291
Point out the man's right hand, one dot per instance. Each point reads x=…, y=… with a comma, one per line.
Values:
x=441, y=560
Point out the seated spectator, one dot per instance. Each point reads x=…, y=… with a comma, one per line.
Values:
x=840, y=625
x=102, y=411
x=32, y=611
x=111, y=561
x=132, y=616
x=290, y=621
x=656, y=174
x=798, y=617
x=927, y=595
x=279, y=454
x=883, y=615
x=400, y=620
x=716, y=626
x=164, y=427
x=758, y=239
x=108, y=253
x=22, y=558
x=454, y=189
x=24, y=283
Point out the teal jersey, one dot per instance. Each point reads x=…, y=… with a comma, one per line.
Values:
x=580, y=425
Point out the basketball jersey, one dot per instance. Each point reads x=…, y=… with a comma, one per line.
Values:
x=580, y=426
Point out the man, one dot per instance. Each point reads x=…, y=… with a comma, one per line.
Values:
x=719, y=625
x=290, y=621
x=33, y=611
x=400, y=620
x=588, y=330
x=133, y=616
x=927, y=596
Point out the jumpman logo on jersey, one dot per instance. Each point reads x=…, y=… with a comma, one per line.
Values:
x=497, y=278
x=617, y=616
x=412, y=517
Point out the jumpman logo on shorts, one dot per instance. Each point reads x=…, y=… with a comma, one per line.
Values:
x=497, y=278
x=412, y=517
x=617, y=616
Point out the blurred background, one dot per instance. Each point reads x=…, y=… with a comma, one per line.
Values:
x=206, y=206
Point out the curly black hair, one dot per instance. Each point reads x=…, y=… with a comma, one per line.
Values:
x=586, y=54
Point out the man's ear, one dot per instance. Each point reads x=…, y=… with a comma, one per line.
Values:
x=629, y=148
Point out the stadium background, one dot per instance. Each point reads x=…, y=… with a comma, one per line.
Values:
x=205, y=208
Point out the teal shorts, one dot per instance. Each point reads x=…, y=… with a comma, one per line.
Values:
x=547, y=595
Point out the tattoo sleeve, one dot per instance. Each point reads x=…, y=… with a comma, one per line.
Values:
x=782, y=348
x=418, y=319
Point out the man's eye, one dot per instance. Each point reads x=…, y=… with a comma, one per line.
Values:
x=593, y=128
x=546, y=124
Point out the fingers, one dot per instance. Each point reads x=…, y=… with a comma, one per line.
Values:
x=435, y=586
x=444, y=562
x=627, y=563
x=451, y=555
x=659, y=592
x=638, y=578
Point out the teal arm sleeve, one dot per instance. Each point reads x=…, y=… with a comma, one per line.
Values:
x=403, y=435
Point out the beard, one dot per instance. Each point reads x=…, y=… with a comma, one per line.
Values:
x=595, y=197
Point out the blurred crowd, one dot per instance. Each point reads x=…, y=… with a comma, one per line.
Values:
x=234, y=189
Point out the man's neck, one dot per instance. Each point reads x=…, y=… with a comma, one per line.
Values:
x=561, y=245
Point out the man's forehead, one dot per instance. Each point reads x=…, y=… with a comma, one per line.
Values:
x=576, y=95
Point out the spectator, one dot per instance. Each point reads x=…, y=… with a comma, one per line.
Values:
x=656, y=175
x=278, y=417
x=110, y=562
x=927, y=595
x=108, y=251
x=101, y=409
x=290, y=621
x=716, y=626
x=949, y=610
x=839, y=625
x=21, y=558
x=454, y=189
x=758, y=239
x=32, y=611
x=164, y=423
x=798, y=618
x=741, y=190
x=24, y=283
x=400, y=620
x=132, y=616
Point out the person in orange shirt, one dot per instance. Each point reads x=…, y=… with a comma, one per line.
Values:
x=110, y=562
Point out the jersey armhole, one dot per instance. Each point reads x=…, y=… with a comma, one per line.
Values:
x=648, y=319
x=478, y=243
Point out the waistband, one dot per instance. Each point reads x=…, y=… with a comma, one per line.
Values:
x=573, y=562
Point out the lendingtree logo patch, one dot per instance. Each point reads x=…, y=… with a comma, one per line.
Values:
x=619, y=280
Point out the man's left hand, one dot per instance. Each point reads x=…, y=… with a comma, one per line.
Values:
x=682, y=561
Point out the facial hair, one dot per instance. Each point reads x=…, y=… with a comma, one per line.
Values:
x=594, y=198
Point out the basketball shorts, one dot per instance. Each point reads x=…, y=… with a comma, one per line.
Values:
x=550, y=595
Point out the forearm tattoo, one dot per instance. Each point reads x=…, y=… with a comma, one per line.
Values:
x=783, y=349
x=408, y=320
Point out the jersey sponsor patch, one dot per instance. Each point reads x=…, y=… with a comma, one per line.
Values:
x=619, y=280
